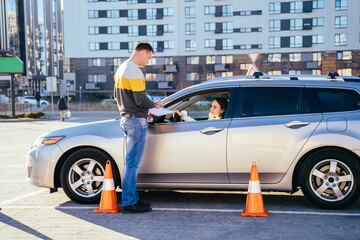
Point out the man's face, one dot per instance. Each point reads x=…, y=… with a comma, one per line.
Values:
x=145, y=57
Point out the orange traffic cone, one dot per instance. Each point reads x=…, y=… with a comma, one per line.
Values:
x=108, y=202
x=254, y=201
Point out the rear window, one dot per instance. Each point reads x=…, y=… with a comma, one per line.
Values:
x=335, y=100
x=265, y=101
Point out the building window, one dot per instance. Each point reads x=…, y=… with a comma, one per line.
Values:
x=210, y=75
x=190, y=28
x=113, y=13
x=94, y=46
x=274, y=25
x=341, y=21
x=316, y=72
x=168, y=12
x=226, y=74
x=116, y=62
x=169, y=44
x=96, y=62
x=168, y=28
x=113, y=30
x=245, y=66
x=274, y=72
x=227, y=27
x=152, y=62
x=132, y=14
x=274, y=42
x=344, y=55
x=150, y=77
x=190, y=12
x=345, y=72
x=97, y=78
x=275, y=8
x=341, y=5
x=93, y=30
x=169, y=77
x=192, y=60
x=295, y=57
x=210, y=59
x=210, y=27
x=168, y=61
x=210, y=43
x=296, y=7
x=93, y=14
x=317, y=57
x=318, y=22
x=296, y=24
x=133, y=31
x=318, y=4
x=190, y=45
x=227, y=44
x=151, y=13
x=276, y=57
x=193, y=76
x=294, y=72
x=209, y=10
x=151, y=30
x=318, y=39
x=296, y=41
x=227, y=10
x=227, y=59
x=341, y=39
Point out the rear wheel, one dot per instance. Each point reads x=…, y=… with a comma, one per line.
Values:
x=330, y=179
x=82, y=175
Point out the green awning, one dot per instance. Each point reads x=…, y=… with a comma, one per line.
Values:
x=11, y=65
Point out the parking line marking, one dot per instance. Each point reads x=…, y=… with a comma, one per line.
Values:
x=23, y=196
x=186, y=209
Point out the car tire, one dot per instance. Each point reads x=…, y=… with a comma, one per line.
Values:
x=43, y=103
x=81, y=184
x=330, y=179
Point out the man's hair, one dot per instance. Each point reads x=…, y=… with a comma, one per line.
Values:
x=143, y=46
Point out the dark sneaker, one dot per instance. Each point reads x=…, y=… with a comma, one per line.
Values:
x=135, y=208
x=144, y=204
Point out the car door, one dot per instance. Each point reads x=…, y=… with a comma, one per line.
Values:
x=187, y=152
x=270, y=126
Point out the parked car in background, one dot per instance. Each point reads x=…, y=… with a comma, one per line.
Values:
x=31, y=100
x=302, y=131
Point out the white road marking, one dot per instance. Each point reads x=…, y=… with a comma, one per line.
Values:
x=344, y=214
x=23, y=196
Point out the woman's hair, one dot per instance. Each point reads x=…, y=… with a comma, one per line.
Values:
x=223, y=104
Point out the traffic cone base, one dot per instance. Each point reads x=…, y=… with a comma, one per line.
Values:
x=254, y=201
x=108, y=201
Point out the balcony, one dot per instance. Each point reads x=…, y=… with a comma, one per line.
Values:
x=313, y=65
x=165, y=85
x=221, y=67
x=170, y=69
x=90, y=86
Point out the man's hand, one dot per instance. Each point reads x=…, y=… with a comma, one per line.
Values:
x=159, y=104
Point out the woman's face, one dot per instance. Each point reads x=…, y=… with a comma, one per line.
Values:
x=215, y=109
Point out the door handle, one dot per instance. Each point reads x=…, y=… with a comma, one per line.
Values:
x=211, y=130
x=296, y=124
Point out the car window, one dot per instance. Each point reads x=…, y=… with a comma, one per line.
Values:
x=265, y=101
x=335, y=100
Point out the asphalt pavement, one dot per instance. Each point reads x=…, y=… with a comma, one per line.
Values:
x=29, y=212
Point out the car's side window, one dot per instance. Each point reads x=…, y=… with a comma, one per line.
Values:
x=335, y=100
x=266, y=101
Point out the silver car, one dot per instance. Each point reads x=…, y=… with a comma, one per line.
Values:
x=302, y=131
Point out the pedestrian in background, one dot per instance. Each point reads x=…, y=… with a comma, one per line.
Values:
x=62, y=107
x=37, y=97
x=134, y=106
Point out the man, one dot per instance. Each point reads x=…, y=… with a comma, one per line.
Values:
x=37, y=97
x=62, y=107
x=134, y=106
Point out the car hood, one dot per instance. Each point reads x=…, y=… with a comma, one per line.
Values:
x=107, y=129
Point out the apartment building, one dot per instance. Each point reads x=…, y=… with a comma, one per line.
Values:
x=196, y=40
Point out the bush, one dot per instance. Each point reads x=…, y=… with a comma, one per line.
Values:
x=24, y=115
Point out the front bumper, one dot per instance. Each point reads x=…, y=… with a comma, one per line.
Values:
x=41, y=163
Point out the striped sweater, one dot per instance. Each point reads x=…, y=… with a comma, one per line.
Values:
x=129, y=90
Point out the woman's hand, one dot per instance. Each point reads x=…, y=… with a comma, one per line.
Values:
x=178, y=113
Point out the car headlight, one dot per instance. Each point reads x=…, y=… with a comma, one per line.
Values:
x=46, y=141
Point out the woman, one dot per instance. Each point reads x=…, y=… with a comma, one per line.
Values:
x=217, y=110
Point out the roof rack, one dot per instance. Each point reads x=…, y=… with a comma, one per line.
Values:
x=332, y=76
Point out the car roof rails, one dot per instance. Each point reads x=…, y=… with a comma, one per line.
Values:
x=258, y=74
x=333, y=75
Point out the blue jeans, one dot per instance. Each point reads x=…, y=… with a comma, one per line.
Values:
x=135, y=136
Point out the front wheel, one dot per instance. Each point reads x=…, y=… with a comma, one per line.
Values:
x=82, y=175
x=330, y=179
